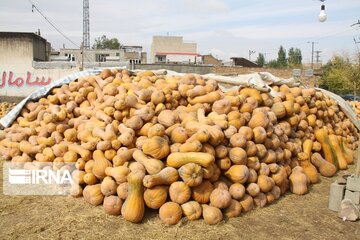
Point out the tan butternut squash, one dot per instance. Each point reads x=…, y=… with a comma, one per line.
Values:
x=177, y=160
x=211, y=215
x=325, y=168
x=100, y=164
x=329, y=153
x=298, y=181
x=133, y=208
x=166, y=176
x=308, y=168
x=151, y=165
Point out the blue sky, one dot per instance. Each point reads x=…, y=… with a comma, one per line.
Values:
x=225, y=28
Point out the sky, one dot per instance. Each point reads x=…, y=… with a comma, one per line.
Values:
x=223, y=28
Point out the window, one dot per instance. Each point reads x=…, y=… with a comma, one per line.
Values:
x=101, y=57
x=117, y=54
x=160, y=58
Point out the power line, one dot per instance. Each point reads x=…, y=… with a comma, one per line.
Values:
x=56, y=28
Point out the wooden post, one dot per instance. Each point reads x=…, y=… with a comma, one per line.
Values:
x=357, y=171
x=82, y=57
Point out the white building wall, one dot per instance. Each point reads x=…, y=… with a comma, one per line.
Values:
x=171, y=44
x=180, y=58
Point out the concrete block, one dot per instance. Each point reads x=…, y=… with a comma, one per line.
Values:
x=336, y=195
x=353, y=196
x=353, y=183
x=348, y=211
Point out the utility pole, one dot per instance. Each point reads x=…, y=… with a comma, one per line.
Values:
x=86, y=25
x=357, y=172
x=358, y=56
x=317, y=56
x=312, y=54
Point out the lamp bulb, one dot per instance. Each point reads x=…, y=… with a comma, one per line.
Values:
x=322, y=15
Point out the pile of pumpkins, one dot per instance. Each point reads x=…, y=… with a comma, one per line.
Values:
x=5, y=107
x=356, y=107
x=180, y=145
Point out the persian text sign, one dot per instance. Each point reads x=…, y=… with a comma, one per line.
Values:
x=10, y=79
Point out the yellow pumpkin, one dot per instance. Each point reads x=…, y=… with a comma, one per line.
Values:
x=238, y=173
x=247, y=203
x=157, y=147
x=170, y=213
x=233, y=210
x=220, y=198
x=155, y=197
x=192, y=210
x=260, y=119
x=202, y=192
x=179, y=192
x=92, y=194
x=191, y=174
x=237, y=191
x=112, y=205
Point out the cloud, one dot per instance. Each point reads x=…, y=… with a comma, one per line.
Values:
x=223, y=27
x=206, y=7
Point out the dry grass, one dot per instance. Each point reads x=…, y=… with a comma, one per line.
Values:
x=292, y=217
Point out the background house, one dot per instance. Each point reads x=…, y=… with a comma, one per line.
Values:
x=173, y=49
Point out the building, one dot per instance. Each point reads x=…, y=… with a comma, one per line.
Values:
x=22, y=48
x=27, y=61
x=21, y=52
x=173, y=49
x=243, y=62
x=210, y=60
x=131, y=54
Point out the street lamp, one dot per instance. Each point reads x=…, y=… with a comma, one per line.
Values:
x=322, y=15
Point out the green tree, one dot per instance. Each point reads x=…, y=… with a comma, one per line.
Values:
x=273, y=64
x=341, y=76
x=260, y=60
x=281, y=60
x=294, y=57
x=106, y=43
x=299, y=56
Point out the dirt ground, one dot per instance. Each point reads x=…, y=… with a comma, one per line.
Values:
x=291, y=217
